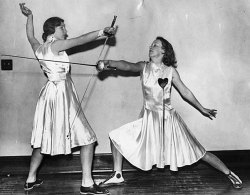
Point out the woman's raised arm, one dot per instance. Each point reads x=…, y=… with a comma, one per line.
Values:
x=29, y=27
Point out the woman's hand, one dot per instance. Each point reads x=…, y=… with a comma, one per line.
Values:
x=109, y=31
x=26, y=11
x=210, y=113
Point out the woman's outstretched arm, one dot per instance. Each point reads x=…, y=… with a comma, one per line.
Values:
x=121, y=65
x=62, y=45
x=187, y=95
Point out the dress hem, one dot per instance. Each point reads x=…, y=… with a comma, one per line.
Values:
x=134, y=164
x=37, y=147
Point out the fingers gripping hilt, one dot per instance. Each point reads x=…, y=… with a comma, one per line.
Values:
x=112, y=25
x=107, y=32
x=101, y=65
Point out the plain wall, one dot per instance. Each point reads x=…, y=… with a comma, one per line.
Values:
x=212, y=43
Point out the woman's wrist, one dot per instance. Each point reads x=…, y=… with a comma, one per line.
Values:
x=100, y=33
x=30, y=16
x=202, y=110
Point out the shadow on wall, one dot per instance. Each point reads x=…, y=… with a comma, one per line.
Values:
x=115, y=73
x=111, y=42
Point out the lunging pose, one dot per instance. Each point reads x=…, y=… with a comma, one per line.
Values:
x=148, y=141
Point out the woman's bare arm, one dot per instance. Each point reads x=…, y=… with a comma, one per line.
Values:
x=30, y=27
x=187, y=95
x=123, y=65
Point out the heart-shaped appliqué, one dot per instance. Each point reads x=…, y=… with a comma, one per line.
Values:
x=163, y=82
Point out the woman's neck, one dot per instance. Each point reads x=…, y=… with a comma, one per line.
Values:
x=156, y=61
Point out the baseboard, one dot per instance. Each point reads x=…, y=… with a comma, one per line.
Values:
x=11, y=165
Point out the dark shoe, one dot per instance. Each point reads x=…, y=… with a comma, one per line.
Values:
x=30, y=186
x=236, y=182
x=114, y=179
x=94, y=189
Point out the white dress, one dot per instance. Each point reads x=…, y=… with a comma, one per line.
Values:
x=144, y=142
x=56, y=127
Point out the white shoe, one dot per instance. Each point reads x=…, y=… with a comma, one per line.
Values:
x=114, y=179
x=236, y=182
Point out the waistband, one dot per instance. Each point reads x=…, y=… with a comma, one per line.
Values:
x=57, y=77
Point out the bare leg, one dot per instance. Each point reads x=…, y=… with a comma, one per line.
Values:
x=116, y=177
x=215, y=162
x=86, y=155
x=117, y=158
x=35, y=162
x=88, y=185
x=218, y=164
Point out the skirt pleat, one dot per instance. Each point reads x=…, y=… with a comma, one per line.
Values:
x=144, y=143
x=57, y=126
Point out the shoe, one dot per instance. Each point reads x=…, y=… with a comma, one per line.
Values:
x=94, y=189
x=114, y=179
x=236, y=182
x=30, y=186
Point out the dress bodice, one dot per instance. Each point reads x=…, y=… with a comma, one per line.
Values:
x=152, y=92
x=55, y=69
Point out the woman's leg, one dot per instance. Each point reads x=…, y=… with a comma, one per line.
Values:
x=36, y=159
x=86, y=155
x=116, y=176
x=117, y=158
x=88, y=184
x=215, y=162
x=218, y=164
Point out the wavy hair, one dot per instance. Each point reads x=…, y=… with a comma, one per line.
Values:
x=50, y=25
x=169, y=55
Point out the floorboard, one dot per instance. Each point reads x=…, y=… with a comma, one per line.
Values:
x=156, y=182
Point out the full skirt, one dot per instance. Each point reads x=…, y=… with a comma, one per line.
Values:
x=59, y=122
x=144, y=143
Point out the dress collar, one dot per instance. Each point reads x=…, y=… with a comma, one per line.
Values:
x=157, y=67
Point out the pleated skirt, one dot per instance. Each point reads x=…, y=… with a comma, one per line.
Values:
x=59, y=122
x=144, y=143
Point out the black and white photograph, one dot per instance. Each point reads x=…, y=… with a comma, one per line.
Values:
x=125, y=97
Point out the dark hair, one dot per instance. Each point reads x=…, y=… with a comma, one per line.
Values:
x=50, y=25
x=169, y=55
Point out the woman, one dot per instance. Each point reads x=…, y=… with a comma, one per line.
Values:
x=148, y=141
x=59, y=122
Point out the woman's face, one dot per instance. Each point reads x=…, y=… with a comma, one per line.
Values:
x=155, y=49
x=61, y=32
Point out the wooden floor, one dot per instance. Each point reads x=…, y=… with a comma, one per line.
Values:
x=155, y=182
